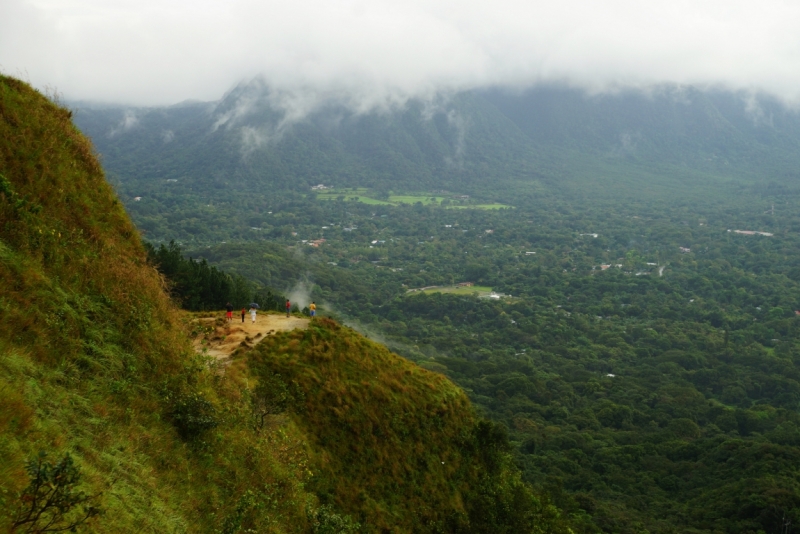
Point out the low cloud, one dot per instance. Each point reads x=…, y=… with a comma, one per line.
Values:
x=460, y=125
x=129, y=121
x=300, y=294
x=754, y=110
x=381, y=53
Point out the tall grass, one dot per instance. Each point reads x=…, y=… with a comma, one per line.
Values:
x=397, y=446
x=92, y=351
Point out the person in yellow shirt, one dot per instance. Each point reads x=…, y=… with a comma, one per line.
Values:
x=313, y=308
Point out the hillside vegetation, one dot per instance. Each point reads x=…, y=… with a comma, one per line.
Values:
x=316, y=431
x=94, y=361
x=394, y=445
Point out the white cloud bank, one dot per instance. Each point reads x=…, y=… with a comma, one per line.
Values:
x=383, y=51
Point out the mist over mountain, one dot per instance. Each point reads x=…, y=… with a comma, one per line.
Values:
x=148, y=52
x=250, y=139
x=722, y=132
x=549, y=137
x=580, y=218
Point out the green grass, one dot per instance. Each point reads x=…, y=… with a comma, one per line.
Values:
x=481, y=207
x=413, y=199
x=395, y=445
x=454, y=290
x=371, y=201
x=361, y=194
x=93, y=355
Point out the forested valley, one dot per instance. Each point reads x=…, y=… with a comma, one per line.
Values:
x=632, y=319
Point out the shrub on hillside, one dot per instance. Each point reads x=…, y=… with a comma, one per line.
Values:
x=273, y=396
x=51, y=502
x=191, y=414
x=325, y=521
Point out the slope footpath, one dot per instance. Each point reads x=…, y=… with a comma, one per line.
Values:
x=220, y=339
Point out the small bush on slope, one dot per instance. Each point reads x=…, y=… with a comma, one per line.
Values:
x=395, y=445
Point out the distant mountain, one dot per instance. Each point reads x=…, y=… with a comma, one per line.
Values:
x=250, y=148
x=720, y=132
x=245, y=139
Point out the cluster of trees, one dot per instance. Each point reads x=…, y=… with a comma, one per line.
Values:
x=638, y=422
x=197, y=286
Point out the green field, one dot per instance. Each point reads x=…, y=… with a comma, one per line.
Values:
x=454, y=290
x=361, y=194
x=413, y=199
x=481, y=206
x=368, y=200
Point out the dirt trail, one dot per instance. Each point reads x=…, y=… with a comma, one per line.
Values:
x=222, y=339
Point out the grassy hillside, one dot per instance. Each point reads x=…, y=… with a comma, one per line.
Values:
x=394, y=445
x=94, y=362
x=319, y=431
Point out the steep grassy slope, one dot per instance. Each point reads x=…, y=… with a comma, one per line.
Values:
x=310, y=429
x=395, y=445
x=93, y=359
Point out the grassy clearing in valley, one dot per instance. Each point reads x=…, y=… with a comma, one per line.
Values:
x=480, y=207
x=413, y=199
x=360, y=194
x=455, y=290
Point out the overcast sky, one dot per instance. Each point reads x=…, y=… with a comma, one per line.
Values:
x=162, y=52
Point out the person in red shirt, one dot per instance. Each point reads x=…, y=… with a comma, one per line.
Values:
x=229, y=312
x=288, y=307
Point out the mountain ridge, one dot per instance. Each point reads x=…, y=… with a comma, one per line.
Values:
x=686, y=126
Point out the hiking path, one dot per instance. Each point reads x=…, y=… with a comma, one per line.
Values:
x=222, y=338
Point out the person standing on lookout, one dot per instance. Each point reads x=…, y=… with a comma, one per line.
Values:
x=253, y=314
x=288, y=307
x=244, y=312
x=313, y=308
x=229, y=312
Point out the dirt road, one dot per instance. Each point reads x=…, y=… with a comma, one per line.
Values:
x=221, y=338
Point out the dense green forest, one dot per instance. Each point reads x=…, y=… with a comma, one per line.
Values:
x=196, y=285
x=660, y=392
x=641, y=344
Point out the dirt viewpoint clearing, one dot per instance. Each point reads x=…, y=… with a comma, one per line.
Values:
x=221, y=338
